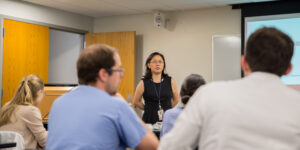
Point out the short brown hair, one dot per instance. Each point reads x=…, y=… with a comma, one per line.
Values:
x=269, y=50
x=91, y=60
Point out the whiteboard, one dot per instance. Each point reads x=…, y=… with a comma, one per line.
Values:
x=226, y=54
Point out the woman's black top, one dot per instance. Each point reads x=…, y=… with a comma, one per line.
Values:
x=151, y=98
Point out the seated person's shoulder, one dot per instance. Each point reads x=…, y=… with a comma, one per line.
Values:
x=216, y=85
x=173, y=112
x=169, y=112
x=119, y=101
x=28, y=108
x=28, y=111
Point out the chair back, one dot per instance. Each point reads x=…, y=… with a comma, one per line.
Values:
x=11, y=141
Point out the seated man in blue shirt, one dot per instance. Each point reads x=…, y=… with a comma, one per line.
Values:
x=89, y=117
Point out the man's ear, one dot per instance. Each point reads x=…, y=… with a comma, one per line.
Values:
x=289, y=70
x=245, y=66
x=102, y=74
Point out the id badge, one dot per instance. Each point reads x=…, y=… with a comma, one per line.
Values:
x=160, y=114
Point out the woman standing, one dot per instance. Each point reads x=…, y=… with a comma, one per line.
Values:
x=21, y=114
x=157, y=88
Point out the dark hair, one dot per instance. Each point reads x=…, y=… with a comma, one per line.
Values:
x=269, y=50
x=91, y=60
x=190, y=84
x=148, y=73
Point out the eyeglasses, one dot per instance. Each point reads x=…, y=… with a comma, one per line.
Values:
x=156, y=62
x=115, y=70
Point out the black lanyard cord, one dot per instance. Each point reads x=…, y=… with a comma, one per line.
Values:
x=157, y=92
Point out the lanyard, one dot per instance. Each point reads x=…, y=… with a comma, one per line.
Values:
x=157, y=92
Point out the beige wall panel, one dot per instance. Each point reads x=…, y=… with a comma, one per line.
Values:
x=125, y=44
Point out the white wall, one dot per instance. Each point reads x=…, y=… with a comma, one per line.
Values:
x=64, y=49
x=226, y=57
x=186, y=41
x=46, y=15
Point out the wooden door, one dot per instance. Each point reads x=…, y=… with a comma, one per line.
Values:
x=25, y=51
x=125, y=44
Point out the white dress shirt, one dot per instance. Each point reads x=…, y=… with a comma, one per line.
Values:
x=257, y=112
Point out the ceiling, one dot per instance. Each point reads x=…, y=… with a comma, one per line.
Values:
x=101, y=8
